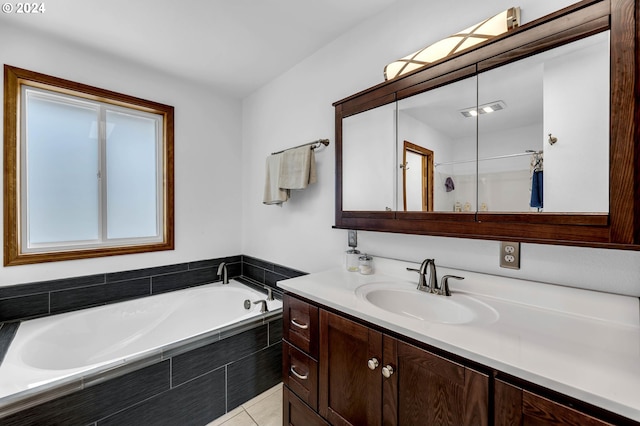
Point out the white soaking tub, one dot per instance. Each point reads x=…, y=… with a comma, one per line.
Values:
x=74, y=348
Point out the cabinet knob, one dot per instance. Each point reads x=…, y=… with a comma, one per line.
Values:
x=373, y=363
x=387, y=371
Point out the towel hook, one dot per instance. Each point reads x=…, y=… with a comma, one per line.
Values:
x=552, y=139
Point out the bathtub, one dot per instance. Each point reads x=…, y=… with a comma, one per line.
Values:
x=69, y=350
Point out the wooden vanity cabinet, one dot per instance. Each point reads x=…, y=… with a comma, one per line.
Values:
x=350, y=391
x=516, y=406
x=346, y=382
x=426, y=389
x=370, y=378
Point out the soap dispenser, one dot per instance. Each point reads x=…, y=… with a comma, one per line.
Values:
x=352, y=255
x=352, y=260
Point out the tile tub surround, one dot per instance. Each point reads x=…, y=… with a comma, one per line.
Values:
x=7, y=333
x=32, y=300
x=189, y=385
x=267, y=273
x=241, y=379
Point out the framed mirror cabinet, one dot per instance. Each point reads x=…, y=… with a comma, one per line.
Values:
x=531, y=137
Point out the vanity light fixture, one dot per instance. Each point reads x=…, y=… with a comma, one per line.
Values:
x=475, y=34
x=483, y=109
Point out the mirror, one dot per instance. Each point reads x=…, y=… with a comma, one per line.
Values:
x=481, y=144
x=368, y=160
x=534, y=99
x=434, y=141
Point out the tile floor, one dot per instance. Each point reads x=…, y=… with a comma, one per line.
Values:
x=263, y=410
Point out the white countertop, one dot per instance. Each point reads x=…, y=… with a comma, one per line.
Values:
x=581, y=343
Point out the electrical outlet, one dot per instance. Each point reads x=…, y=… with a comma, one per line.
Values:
x=510, y=255
x=353, y=238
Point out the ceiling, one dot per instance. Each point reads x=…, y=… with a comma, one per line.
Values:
x=231, y=45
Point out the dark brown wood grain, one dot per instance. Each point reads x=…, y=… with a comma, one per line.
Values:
x=296, y=413
x=434, y=390
x=294, y=360
x=537, y=410
x=350, y=392
x=296, y=311
x=624, y=175
x=508, y=404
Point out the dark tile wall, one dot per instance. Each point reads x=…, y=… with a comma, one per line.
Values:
x=266, y=273
x=192, y=388
x=24, y=301
x=32, y=300
x=7, y=332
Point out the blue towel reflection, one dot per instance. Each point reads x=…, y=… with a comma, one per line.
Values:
x=536, y=189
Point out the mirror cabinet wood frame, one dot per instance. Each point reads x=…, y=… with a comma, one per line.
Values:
x=618, y=229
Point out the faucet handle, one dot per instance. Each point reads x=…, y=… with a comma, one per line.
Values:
x=444, y=284
x=263, y=306
x=269, y=293
x=421, y=280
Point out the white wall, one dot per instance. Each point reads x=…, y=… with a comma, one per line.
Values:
x=297, y=107
x=207, y=153
x=369, y=159
x=577, y=164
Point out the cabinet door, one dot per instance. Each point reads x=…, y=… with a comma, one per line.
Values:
x=297, y=413
x=515, y=406
x=426, y=389
x=350, y=392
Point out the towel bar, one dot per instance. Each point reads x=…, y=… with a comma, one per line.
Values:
x=324, y=142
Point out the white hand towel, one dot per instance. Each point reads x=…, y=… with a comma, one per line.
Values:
x=298, y=168
x=272, y=192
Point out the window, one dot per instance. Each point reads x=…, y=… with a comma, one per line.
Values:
x=88, y=172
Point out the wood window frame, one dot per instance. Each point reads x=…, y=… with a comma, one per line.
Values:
x=14, y=79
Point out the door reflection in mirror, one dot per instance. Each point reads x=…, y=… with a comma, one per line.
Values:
x=432, y=120
x=417, y=178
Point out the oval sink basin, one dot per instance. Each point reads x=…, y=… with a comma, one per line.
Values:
x=405, y=300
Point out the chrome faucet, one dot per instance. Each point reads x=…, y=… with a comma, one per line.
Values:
x=263, y=306
x=423, y=284
x=222, y=271
x=431, y=286
x=269, y=293
x=443, y=290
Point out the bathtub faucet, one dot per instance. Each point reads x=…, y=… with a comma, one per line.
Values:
x=263, y=306
x=222, y=271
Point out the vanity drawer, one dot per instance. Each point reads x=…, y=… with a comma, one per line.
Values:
x=297, y=413
x=300, y=374
x=300, y=325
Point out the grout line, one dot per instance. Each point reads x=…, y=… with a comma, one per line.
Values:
x=251, y=417
x=226, y=386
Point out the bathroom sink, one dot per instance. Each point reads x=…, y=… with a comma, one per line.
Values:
x=405, y=300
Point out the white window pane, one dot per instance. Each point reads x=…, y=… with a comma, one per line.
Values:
x=61, y=169
x=132, y=160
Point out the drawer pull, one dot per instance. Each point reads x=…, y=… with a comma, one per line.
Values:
x=297, y=324
x=298, y=375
